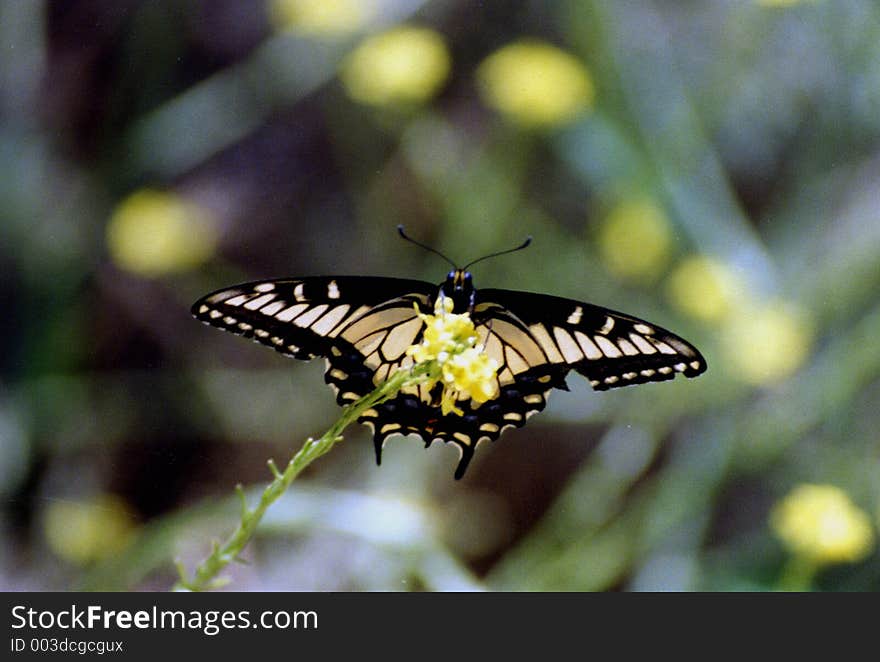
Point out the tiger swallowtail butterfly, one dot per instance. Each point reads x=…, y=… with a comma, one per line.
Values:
x=363, y=325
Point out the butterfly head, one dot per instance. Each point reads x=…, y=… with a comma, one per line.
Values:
x=459, y=286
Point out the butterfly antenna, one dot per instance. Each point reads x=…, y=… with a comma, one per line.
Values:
x=525, y=244
x=421, y=245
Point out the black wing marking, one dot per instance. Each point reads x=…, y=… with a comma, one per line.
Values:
x=609, y=348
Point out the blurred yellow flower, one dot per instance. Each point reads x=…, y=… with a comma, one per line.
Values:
x=704, y=288
x=449, y=340
x=88, y=530
x=322, y=17
x=535, y=84
x=821, y=524
x=634, y=240
x=152, y=233
x=405, y=65
x=767, y=343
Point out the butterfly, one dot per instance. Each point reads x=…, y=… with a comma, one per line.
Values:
x=363, y=325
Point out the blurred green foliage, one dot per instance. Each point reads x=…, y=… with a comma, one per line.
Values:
x=713, y=167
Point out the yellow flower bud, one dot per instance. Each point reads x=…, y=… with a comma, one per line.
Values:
x=153, y=233
x=405, y=65
x=535, y=84
x=90, y=529
x=634, y=240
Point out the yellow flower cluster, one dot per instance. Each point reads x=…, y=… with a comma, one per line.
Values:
x=466, y=372
x=820, y=523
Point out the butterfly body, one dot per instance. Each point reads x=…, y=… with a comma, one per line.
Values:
x=363, y=326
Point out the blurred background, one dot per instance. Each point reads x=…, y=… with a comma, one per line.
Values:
x=713, y=167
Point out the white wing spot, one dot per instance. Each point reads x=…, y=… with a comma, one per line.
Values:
x=230, y=320
x=627, y=347
x=662, y=346
x=590, y=350
x=262, y=333
x=644, y=328
x=665, y=370
x=609, y=324
x=644, y=346
x=215, y=314
x=273, y=308
x=259, y=302
x=567, y=345
x=298, y=292
x=575, y=317
x=608, y=348
x=613, y=379
x=264, y=287
x=648, y=372
x=240, y=299
x=244, y=326
x=695, y=365
x=332, y=290
x=326, y=324
x=306, y=319
x=289, y=313
x=540, y=334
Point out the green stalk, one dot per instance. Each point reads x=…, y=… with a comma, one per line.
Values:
x=205, y=575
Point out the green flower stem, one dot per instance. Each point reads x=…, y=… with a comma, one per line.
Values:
x=205, y=576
